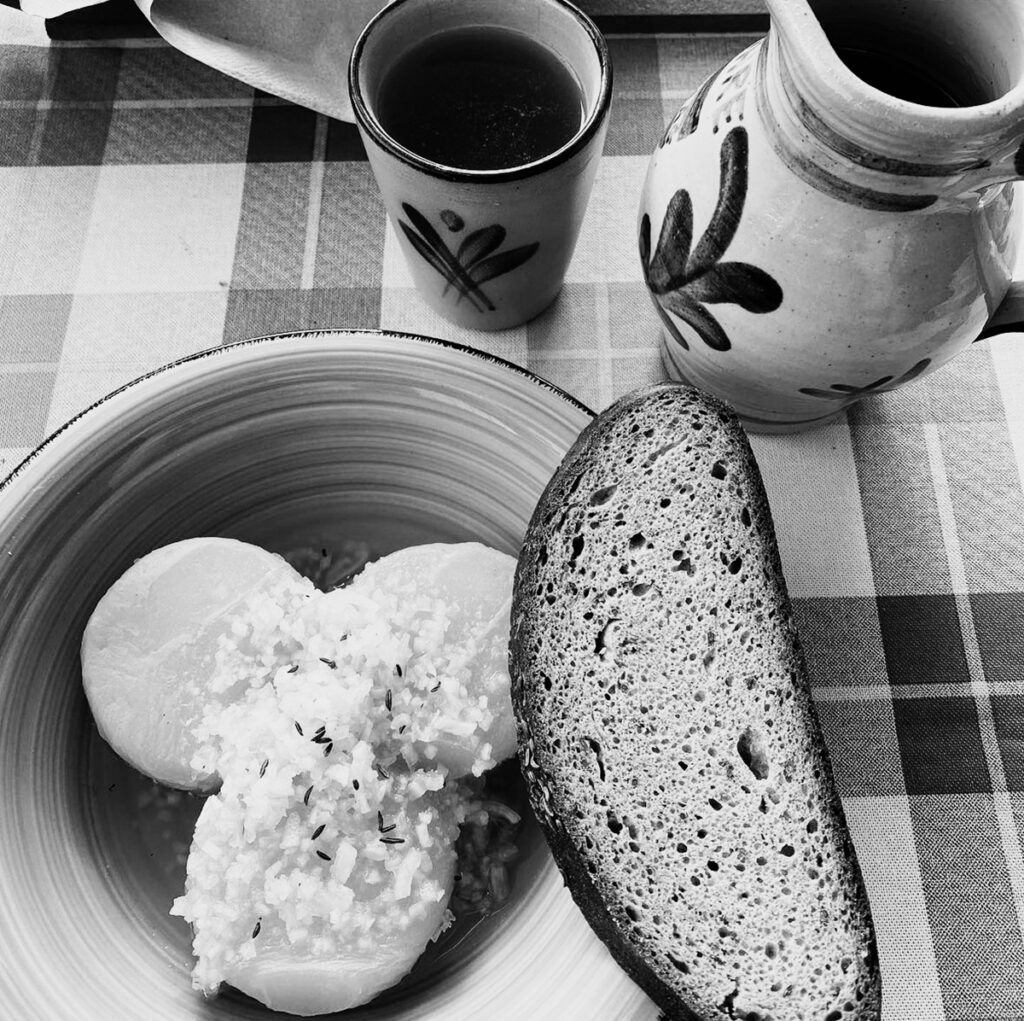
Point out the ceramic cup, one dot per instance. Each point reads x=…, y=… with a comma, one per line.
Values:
x=487, y=249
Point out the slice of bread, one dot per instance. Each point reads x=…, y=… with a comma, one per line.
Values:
x=666, y=727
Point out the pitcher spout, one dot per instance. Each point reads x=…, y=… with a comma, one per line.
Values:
x=927, y=90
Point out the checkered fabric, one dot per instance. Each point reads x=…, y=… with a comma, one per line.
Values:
x=152, y=207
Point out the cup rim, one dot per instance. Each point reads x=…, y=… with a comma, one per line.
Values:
x=368, y=122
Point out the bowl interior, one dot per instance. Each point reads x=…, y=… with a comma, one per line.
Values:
x=308, y=440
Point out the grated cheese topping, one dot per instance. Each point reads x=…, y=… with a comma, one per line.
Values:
x=335, y=826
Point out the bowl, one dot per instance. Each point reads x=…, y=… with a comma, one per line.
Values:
x=313, y=439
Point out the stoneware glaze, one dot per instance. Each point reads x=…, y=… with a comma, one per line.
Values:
x=487, y=249
x=308, y=439
x=808, y=238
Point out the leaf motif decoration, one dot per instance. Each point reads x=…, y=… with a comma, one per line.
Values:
x=825, y=395
x=645, y=259
x=915, y=370
x=732, y=193
x=668, y=267
x=749, y=287
x=427, y=252
x=698, y=317
x=879, y=384
x=682, y=281
x=673, y=330
x=423, y=225
x=441, y=259
x=847, y=394
x=476, y=261
x=477, y=245
x=645, y=246
x=480, y=244
x=502, y=262
x=452, y=220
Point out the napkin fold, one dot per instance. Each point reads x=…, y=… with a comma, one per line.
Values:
x=295, y=49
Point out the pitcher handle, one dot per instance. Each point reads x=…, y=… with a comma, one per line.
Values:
x=1009, y=316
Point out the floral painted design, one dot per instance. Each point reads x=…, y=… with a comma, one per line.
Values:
x=847, y=394
x=474, y=262
x=685, y=282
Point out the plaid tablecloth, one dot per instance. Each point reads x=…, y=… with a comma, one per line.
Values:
x=150, y=207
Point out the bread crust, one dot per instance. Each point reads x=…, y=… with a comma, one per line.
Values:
x=667, y=731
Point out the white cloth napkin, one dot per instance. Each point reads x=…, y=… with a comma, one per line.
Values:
x=295, y=49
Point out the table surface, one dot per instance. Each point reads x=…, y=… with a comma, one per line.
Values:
x=153, y=208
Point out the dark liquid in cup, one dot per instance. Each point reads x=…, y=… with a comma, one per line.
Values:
x=480, y=98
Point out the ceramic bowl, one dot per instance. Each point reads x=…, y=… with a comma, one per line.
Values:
x=305, y=439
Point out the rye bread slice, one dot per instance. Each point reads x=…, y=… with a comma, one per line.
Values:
x=666, y=728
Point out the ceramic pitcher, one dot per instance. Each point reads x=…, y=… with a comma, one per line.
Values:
x=831, y=214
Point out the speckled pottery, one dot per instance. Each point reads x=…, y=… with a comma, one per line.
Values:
x=487, y=249
x=809, y=239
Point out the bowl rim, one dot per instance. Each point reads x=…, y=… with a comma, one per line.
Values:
x=349, y=331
